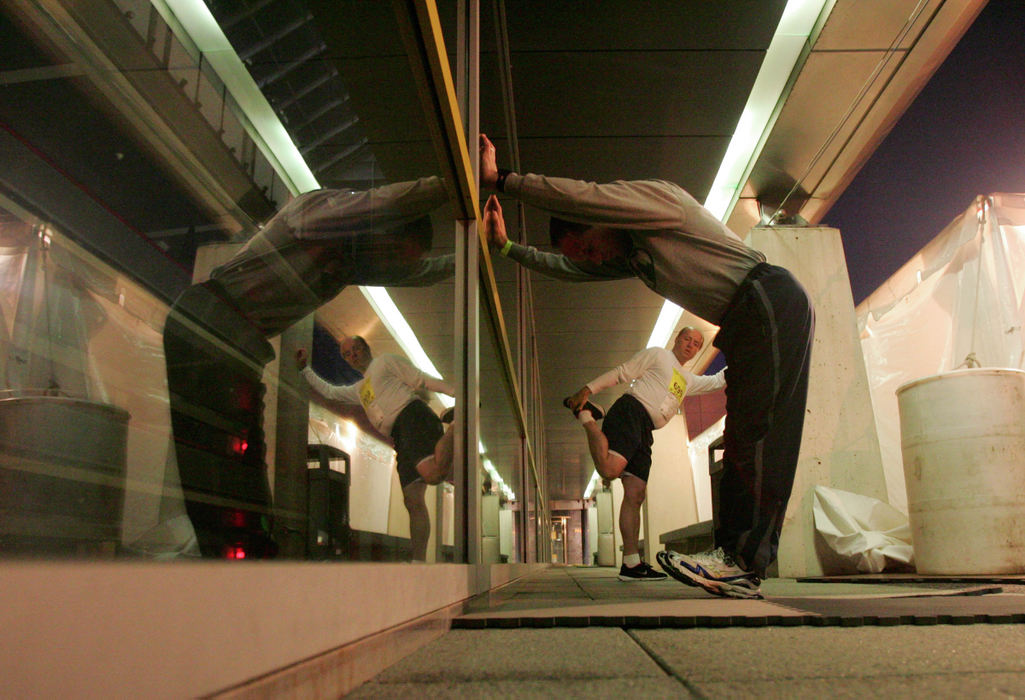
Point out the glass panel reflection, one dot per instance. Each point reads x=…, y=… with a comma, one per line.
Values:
x=501, y=449
x=157, y=279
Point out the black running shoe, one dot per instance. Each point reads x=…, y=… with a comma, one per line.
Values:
x=449, y=415
x=641, y=572
x=596, y=412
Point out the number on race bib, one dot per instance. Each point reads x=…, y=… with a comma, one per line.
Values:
x=678, y=386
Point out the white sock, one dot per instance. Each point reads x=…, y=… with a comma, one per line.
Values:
x=631, y=560
x=584, y=416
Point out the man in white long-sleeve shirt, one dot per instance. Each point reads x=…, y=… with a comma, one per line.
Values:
x=657, y=232
x=622, y=447
x=391, y=394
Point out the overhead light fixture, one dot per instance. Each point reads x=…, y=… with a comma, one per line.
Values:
x=795, y=26
x=498, y=480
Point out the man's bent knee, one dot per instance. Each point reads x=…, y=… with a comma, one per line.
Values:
x=610, y=469
x=430, y=472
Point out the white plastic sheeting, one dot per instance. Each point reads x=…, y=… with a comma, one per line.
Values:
x=959, y=302
x=870, y=534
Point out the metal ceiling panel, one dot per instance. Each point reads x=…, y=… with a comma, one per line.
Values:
x=847, y=97
x=659, y=93
x=852, y=26
x=652, y=25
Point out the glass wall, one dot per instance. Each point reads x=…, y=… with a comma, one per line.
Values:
x=228, y=257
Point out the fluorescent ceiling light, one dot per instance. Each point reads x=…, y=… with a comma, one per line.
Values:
x=668, y=317
x=795, y=26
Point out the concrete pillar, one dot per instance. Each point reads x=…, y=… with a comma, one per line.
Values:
x=489, y=529
x=840, y=447
x=606, y=528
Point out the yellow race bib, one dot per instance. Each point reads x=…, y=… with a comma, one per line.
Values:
x=366, y=393
x=678, y=386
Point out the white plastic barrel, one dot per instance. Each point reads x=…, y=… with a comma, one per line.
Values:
x=963, y=444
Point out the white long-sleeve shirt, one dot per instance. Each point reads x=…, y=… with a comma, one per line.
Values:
x=388, y=385
x=659, y=382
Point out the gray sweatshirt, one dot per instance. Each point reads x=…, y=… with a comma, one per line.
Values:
x=324, y=240
x=680, y=250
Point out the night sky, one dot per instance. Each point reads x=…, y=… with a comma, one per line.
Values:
x=963, y=136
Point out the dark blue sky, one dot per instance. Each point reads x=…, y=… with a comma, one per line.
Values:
x=964, y=135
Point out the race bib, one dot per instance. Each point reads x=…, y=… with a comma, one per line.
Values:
x=678, y=386
x=366, y=393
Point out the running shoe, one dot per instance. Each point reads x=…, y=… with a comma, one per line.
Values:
x=641, y=572
x=663, y=560
x=715, y=571
x=596, y=412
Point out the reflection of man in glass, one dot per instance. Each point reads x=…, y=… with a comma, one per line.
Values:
x=215, y=338
x=655, y=231
x=621, y=448
x=390, y=393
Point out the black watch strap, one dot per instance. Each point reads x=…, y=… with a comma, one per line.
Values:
x=500, y=182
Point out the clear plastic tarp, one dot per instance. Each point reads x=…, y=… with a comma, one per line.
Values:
x=960, y=302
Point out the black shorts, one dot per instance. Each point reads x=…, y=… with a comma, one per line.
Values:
x=415, y=432
x=628, y=428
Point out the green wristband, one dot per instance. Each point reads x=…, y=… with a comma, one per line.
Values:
x=506, y=247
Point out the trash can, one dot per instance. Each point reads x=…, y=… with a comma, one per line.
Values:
x=62, y=475
x=963, y=446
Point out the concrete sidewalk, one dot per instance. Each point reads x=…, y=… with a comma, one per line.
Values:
x=579, y=632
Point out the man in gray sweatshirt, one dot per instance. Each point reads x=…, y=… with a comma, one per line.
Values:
x=657, y=232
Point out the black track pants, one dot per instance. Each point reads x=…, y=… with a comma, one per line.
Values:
x=766, y=337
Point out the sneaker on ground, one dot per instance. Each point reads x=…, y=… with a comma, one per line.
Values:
x=596, y=412
x=663, y=560
x=641, y=572
x=715, y=571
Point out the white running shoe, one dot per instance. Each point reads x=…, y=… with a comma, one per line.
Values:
x=715, y=571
